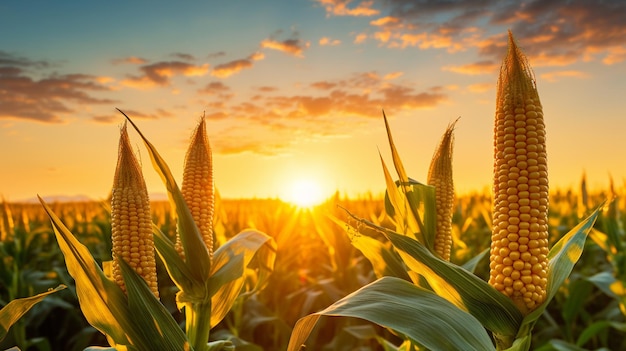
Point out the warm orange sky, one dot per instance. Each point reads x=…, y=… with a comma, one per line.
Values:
x=294, y=91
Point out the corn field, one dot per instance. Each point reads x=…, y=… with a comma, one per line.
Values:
x=419, y=267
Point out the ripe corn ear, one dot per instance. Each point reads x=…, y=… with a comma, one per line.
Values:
x=198, y=189
x=519, y=246
x=131, y=220
x=440, y=176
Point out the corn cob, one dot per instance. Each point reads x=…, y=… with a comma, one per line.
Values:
x=519, y=247
x=440, y=176
x=131, y=221
x=197, y=188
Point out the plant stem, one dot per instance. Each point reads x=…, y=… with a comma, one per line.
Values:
x=198, y=324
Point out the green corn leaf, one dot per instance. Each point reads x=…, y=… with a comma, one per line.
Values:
x=471, y=264
x=103, y=303
x=611, y=286
x=462, y=288
x=196, y=252
x=159, y=330
x=419, y=314
x=16, y=308
x=229, y=262
x=384, y=260
x=597, y=327
x=562, y=258
x=468, y=292
x=399, y=208
x=180, y=272
x=221, y=345
x=413, y=198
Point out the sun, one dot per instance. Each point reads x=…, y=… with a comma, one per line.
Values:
x=305, y=193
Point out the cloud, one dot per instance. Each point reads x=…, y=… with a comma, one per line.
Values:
x=323, y=85
x=481, y=67
x=160, y=74
x=340, y=8
x=272, y=121
x=552, y=33
x=8, y=60
x=131, y=60
x=294, y=47
x=393, y=75
x=360, y=38
x=48, y=99
x=229, y=68
x=267, y=89
x=326, y=41
x=214, y=88
x=116, y=117
x=183, y=56
x=557, y=75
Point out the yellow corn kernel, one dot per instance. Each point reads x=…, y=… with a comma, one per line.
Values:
x=519, y=246
x=198, y=188
x=131, y=220
x=440, y=176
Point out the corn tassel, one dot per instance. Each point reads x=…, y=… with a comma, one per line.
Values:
x=198, y=188
x=519, y=247
x=131, y=220
x=440, y=176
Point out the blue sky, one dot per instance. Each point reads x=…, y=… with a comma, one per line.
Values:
x=294, y=90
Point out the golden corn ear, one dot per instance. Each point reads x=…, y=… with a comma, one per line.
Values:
x=198, y=188
x=519, y=242
x=131, y=221
x=440, y=176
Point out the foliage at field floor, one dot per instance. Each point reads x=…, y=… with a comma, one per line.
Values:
x=316, y=265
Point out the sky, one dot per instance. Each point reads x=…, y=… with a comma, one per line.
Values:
x=293, y=91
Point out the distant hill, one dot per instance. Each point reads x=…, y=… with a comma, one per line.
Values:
x=57, y=198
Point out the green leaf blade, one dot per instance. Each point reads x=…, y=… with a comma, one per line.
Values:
x=15, y=309
x=415, y=312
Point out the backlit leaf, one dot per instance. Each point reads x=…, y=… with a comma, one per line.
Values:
x=419, y=314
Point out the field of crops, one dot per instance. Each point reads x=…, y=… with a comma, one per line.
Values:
x=417, y=268
x=315, y=266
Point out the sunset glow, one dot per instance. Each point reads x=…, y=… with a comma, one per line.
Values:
x=303, y=81
x=305, y=193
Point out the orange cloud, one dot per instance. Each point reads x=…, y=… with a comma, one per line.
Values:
x=393, y=75
x=160, y=73
x=267, y=89
x=257, y=56
x=291, y=46
x=214, y=88
x=385, y=21
x=131, y=59
x=615, y=55
x=116, y=117
x=340, y=8
x=323, y=85
x=555, y=76
x=482, y=67
x=360, y=38
x=48, y=99
x=552, y=33
x=227, y=69
x=326, y=41
x=314, y=111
